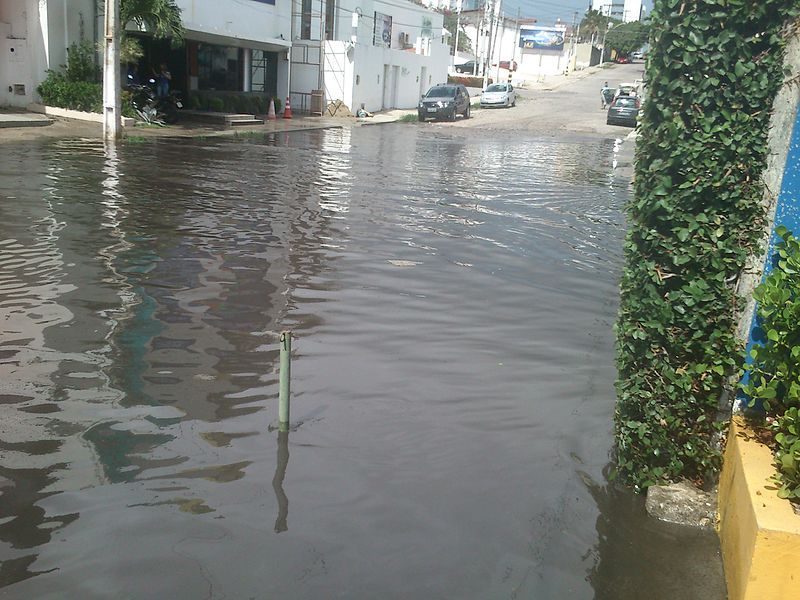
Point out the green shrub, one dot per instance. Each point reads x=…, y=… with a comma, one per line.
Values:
x=712, y=73
x=260, y=105
x=278, y=104
x=469, y=80
x=195, y=103
x=82, y=63
x=230, y=103
x=774, y=374
x=787, y=454
x=56, y=90
x=216, y=104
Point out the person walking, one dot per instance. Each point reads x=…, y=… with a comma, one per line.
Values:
x=605, y=92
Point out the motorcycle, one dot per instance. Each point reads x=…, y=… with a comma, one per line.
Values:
x=152, y=109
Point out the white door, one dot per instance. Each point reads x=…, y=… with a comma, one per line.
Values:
x=385, y=98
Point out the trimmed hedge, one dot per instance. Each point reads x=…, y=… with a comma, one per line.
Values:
x=712, y=73
x=56, y=90
x=468, y=80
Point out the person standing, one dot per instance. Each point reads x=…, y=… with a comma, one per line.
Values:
x=163, y=77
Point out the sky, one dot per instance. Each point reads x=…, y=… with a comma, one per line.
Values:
x=547, y=11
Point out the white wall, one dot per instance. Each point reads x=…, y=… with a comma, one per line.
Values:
x=245, y=20
x=543, y=62
x=38, y=32
x=381, y=78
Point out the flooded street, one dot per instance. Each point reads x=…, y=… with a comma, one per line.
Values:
x=452, y=298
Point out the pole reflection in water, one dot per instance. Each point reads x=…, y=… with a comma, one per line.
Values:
x=277, y=482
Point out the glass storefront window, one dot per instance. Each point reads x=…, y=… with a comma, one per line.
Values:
x=218, y=68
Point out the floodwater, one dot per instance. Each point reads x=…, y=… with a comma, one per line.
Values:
x=452, y=300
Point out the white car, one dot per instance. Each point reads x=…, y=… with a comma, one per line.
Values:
x=499, y=94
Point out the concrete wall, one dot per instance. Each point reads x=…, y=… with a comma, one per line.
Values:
x=356, y=71
x=381, y=78
x=543, y=62
x=245, y=20
x=34, y=36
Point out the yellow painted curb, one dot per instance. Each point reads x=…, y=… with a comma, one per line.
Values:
x=759, y=532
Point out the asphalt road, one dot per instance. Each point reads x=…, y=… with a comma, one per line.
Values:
x=560, y=105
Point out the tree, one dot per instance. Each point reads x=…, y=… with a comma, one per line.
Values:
x=627, y=37
x=450, y=23
x=162, y=18
x=593, y=24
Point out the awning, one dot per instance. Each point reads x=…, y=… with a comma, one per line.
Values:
x=268, y=44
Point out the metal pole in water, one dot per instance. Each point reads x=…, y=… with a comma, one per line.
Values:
x=285, y=377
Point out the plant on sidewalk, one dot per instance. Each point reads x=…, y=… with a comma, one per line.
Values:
x=696, y=215
x=76, y=86
x=774, y=373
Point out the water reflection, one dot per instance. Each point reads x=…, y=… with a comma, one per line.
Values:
x=455, y=300
x=277, y=482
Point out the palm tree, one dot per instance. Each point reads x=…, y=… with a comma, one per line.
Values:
x=162, y=18
x=592, y=23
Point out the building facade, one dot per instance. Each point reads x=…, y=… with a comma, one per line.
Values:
x=231, y=46
x=622, y=10
x=380, y=54
x=34, y=36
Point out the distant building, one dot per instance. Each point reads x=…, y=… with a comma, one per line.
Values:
x=622, y=10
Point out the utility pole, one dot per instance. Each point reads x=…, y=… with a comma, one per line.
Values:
x=458, y=28
x=516, y=37
x=502, y=30
x=603, y=45
x=494, y=12
x=112, y=104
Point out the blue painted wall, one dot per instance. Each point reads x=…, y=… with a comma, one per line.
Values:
x=786, y=214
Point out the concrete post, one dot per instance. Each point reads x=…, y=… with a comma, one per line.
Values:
x=112, y=106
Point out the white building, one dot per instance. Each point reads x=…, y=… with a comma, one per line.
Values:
x=623, y=10
x=34, y=36
x=383, y=54
x=235, y=46
x=231, y=45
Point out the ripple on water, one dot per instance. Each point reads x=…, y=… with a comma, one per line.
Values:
x=451, y=301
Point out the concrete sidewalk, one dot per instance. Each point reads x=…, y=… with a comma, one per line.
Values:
x=23, y=119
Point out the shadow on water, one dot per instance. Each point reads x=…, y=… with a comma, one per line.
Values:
x=635, y=553
x=452, y=300
x=277, y=482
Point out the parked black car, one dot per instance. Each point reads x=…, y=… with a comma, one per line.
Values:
x=467, y=67
x=624, y=110
x=444, y=101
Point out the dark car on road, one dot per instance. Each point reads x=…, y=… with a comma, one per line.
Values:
x=624, y=110
x=467, y=67
x=444, y=101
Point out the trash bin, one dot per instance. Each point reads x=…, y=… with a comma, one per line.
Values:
x=317, y=101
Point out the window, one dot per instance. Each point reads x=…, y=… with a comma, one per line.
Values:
x=305, y=20
x=330, y=19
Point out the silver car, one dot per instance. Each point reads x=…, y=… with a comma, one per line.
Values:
x=499, y=94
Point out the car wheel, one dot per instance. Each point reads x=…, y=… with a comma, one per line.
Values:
x=514, y=103
x=466, y=112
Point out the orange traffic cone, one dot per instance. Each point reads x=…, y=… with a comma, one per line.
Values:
x=271, y=112
x=287, y=111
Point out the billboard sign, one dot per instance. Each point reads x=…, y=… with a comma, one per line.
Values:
x=382, y=34
x=541, y=38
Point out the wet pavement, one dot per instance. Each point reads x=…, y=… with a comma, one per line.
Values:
x=452, y=300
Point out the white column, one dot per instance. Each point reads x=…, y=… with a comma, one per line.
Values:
x=111, y=74
x=247, y=61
